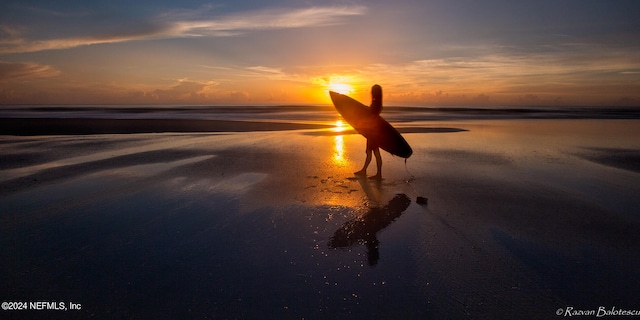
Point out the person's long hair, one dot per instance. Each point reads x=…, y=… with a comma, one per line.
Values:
x=376, y=99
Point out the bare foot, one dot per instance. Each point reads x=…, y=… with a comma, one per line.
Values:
x=361, y=173
x=376, y=177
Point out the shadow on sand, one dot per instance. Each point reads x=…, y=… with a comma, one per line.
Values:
x=363, y=228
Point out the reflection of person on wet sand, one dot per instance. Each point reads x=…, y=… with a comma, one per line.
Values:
x=372, y=146
x=363, y=230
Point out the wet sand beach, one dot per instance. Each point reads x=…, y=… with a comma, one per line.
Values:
x=525, y=218
x=78, y=126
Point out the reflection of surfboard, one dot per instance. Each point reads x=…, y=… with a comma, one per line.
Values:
x=372, y=126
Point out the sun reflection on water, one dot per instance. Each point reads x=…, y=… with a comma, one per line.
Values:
x=340, y=126
x=338, y=144
x=338, y=155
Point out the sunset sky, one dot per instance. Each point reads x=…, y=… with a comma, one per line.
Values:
x=439, y=52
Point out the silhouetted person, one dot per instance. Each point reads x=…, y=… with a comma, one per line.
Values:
x=363, y=230
x=372, y=146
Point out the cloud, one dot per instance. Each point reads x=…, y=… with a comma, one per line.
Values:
x=25, y=70
x=16, y=42
x=187, y=24
x=8, y=32
x=268, y=20
x=184, y=90
x=265, y=70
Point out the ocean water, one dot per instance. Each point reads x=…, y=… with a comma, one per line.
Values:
x=312, y=113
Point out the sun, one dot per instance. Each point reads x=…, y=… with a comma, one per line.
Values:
x=341, y=88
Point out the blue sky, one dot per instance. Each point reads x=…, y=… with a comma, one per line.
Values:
x=285, y=52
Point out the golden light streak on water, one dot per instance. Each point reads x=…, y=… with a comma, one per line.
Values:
x=338, y=144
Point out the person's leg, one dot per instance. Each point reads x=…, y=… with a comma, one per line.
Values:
x=363, y=171
x=376, y=152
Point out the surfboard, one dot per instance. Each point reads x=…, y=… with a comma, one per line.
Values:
x=370, y=125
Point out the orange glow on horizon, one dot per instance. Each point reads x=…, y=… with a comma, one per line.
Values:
x=344, y=84
x=341, y=88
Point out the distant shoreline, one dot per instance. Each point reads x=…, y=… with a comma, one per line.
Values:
x=76, y=120
x=309, y=113
x=81, y=126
